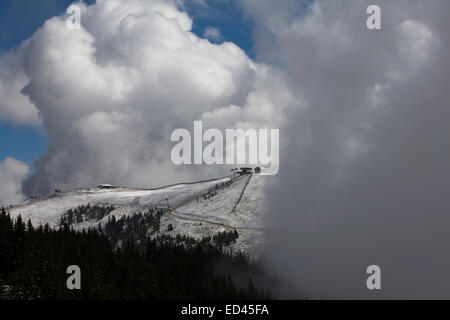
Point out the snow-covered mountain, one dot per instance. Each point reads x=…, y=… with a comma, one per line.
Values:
x=198, y=210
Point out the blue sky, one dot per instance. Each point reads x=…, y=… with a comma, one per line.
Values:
x=20, y=18
x=228, y=18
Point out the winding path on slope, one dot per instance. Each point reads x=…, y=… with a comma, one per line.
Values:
x=170, y=212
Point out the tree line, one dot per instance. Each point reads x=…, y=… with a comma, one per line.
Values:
x=34, y=260
x=85, y=213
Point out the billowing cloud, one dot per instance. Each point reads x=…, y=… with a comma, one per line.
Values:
x=15, y=107
x=364, y=173
x=12, y=173
x=110, y=94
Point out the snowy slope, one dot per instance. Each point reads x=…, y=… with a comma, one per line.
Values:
x=207, y=217
x=191, y=213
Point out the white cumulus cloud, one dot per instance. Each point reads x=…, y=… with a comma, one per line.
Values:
x=15, y=107
x=110, y=94
x=12, y=173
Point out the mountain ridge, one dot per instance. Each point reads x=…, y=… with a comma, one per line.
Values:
x=199, y=209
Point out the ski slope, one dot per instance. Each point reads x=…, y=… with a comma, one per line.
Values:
x=236, y=206
x=206, y=217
